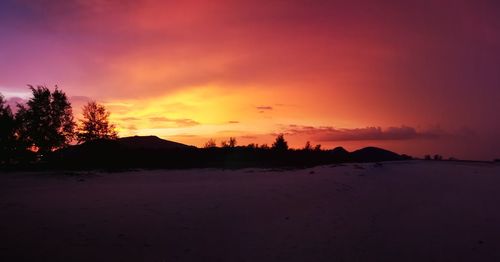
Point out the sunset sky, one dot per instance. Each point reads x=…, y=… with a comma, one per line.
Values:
x=416, y=77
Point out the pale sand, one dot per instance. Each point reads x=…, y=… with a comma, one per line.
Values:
x=401, y=211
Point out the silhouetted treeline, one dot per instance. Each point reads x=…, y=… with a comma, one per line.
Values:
x=153, y=152
x=45, y=124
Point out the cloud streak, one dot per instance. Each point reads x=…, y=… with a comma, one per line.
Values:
x=159, y=122
x=182, y=122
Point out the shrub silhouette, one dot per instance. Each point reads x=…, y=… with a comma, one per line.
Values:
x=231, y=143
x=210, y=144
x=95, y=124
x=252, y=146
x=46, y=122
x=438, y=157
x=264, y=147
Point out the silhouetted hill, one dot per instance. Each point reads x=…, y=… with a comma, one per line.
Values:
x=136, y=151
x=374, y=154
x=340, y=150
x=149, y=142
x=340, y=154
x=115, y=147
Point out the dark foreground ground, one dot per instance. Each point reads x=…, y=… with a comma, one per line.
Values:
x=400, y=211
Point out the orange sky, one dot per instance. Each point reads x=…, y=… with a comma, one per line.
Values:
x=416, y=77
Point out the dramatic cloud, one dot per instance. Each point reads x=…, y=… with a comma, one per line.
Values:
x=363, y=134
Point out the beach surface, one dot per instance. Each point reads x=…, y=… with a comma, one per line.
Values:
x=393, y=211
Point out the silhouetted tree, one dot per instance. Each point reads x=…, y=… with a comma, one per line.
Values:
x=317, y=147
x=95, y=124
x=46, y=122
x=210, y=143
x=232, y=142
x=308, y=146
x=7, y=132
x=229, y=144
x=280, y=143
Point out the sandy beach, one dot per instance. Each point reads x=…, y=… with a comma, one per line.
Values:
x=396, y=211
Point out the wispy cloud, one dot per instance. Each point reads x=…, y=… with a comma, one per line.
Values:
x=263, y=109
x=181, y=122
x=129, y=119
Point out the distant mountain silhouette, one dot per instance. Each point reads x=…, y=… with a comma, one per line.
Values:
x=374, y=154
